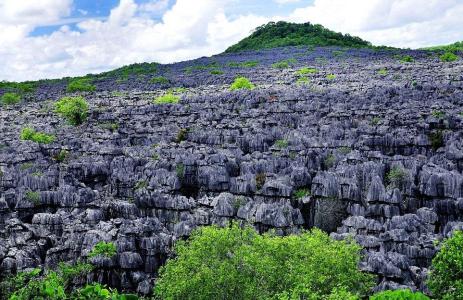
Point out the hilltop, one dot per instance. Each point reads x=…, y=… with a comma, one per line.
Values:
x=283, y=34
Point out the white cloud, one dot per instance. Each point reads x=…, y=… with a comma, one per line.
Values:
x=402, y=23
x=286, y=1
x=192, y=29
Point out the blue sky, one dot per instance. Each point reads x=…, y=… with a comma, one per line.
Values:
x=90, y=9
x=57, y=38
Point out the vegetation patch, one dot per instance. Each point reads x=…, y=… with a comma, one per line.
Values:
x=29, y=134
x=301, y=193
x=106, y=249
x=407, y=59
x=306, y=71
x=284, y=64
x=399, y=295
x=283, y=34
x=80, y=85
x=160, y=80
x=10, y=99
x=241, y=83
x=330, y=76
x=396, y=176
x=73, y=109
x=244, y=64
x=239, y=263
x=281, y=144
x=168, y=98
x=448, y=57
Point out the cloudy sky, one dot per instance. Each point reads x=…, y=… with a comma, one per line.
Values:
x=56, y=38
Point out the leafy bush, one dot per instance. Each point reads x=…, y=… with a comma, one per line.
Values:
x=407, y=59
x=238, y=263
x=50, y=287
x=96, y=291
x=168, y=98
x=382, y=72
x=446, y=276
x=260, y=180
x=438, y=114
x=74, y=109
x=437, y=139
x=301, y=193
x=10, y=98
x=182, y=135
x=448, y=57
x=216, y=72
x=245, y=64
x=180, y=170
x=399, y=295
x=284, y=64
x=80, y=85
x=281, y=144
x=33, y=197
x=306, y=71
x=107, y=249
x=29, y=134
x=330, y=76
x=396, y=176
x=160, y=80
x=61, y=156
x=241, y=83
x=302, y=81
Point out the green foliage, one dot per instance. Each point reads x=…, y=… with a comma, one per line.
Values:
x=382, y=72
x=13, y=283
x=283, y=34
x=29, y=134
x=216, y=72
x=107, y=249
x=448, y=57
x=375, y=121
x=61, y=156
x=330, y=160
x=344, y=150
x=284, y=64
x=407, y=59
x=182, y=135
x=168, y=98
x=180, y=170
x=212, y=65
x=111, y=126
x=281, y=144
x=241, y=83
x=301, y=193
x=446, y=277
x=245, y=64
x=260, y=180
x=125, y=72
x=396, y=176
x=453, y=48
x=10, y=98
x=50, y=287
x=303, y=80
x=399, y=295
x=96, y=291
x=80, y=85
x=141, y=184
x=73, y=109
x=160, y=80
x=20, y=88
x=306, y=71
x=238, y=263
x=436, y=139
x=330, y=76
x=438, y=114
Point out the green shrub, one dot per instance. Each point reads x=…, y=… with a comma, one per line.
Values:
x=330, y=160
x=61, y=156
x=306, y=71
x=281, y=144
x=168, y=98
x=303, y=80
x=73, y=109
x=96, y=291
x=160, y=80
x=180, y=170
x=382, y=72
x=284, y=64
x=446, y=276
x=438, y=114
x=399, y=295
x=29, y=134
x=80, y=85
x=245, y=64
x=301, y=193
x=10, y=98
x=182, y=135
x=241, y=83
x=141, y=184
x=107, y=249
x=330, y=76
x=50, y=287
x=448, y=57
x=407, y=59
x=238, y=263
x=396, y=176
x=436, y=139
x=216, y=72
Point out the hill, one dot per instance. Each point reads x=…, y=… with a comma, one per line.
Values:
x=283, y=34
x=455, y=47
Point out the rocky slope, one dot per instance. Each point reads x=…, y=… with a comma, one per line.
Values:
x=378, y=150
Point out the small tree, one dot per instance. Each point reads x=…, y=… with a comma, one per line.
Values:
x=10, y=98
x=74, y=109
x=241, y=83
x=446, y=275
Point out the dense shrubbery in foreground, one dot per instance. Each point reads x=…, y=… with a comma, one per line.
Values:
x=446, y=276
x=29, y=134
x=399, y=295
x=234, y=263
x=10, y=98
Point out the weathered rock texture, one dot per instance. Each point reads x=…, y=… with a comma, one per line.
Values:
x=131, y=179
